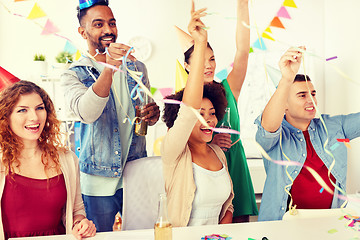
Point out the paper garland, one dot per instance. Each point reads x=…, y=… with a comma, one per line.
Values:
x=275, y=22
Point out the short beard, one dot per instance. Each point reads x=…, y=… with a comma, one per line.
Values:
x=98, y=46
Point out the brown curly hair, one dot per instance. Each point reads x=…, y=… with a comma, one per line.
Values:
x=213, y=91
x=10, y=144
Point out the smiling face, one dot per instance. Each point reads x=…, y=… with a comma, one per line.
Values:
x=300, y=109
x=200, y=133
x=98, y=27
x=28, y=117
x=209, y=68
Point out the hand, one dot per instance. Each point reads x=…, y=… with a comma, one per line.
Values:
x=223, y=140
x=290, y=63
x=85, y=228
x=116, y=53
x=196, y=27
x=152, y=113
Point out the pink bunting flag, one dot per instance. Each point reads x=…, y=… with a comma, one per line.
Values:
x=283, y=13
x=49, y=28
x=166, y=91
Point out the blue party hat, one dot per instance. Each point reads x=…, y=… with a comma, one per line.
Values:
x=88, y=3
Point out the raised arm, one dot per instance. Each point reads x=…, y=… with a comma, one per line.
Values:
x=275, y=109
x=194, y=86
x=237, y=75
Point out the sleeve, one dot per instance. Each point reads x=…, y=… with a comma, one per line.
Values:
x=267, y=140
x=351, y=125
x=81, y=100
x=79, y=208
x=177, y=137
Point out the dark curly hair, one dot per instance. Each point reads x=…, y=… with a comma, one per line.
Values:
x=214, y=91
x=10, y=144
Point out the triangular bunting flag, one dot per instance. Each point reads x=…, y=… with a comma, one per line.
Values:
x=289, y=3
x=77, y=55
x=283, y=13
x=274, y=74
x=180, y=77
x=268, y=30
x=70, y=48
x=36, y=12
x=251, y=50
x=265, y=35
x=259, y=44
x=276, y=23
x=49, y=28
x=222, y=74
x=166, y=91
x=153, y=90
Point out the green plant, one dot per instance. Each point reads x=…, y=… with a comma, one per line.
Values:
x=39, y=57
x=64, y=57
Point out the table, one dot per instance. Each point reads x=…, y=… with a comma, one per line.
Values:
x=299, y=229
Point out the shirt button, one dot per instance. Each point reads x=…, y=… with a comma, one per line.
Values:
x=295, y=172
x=283, y=208
x=303, y=155
x=115, y=173
x=298, y=131
x=116, y=152
x=301, y=140
x=115, y=130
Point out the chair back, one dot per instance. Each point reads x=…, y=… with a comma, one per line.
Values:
x=143, y=181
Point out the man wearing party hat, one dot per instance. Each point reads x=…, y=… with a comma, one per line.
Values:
x=100, y=97
x=244, y=201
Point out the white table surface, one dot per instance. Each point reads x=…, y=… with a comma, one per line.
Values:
x=299, y=229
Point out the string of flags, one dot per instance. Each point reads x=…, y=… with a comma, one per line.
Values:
x=48, y=29
x=275, y=22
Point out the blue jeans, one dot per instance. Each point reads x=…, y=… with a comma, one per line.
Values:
x=102, y=210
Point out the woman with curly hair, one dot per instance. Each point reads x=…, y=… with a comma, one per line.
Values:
x=197, y=182
x=39, y=177
x=244, y=201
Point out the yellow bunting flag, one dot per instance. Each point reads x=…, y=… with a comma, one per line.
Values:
x=276, y=23
x=265, y=35
x=157, y=146
x=268, y=30
x=289, y=3
x=181, y=77
x=36, y=12
x=77, y=55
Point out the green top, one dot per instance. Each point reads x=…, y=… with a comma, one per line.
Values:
x=244, y=201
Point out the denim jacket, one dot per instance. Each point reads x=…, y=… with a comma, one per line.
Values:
x=100, y=146
x=274, y=199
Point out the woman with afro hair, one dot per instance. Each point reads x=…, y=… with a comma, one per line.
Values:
x=197, y=181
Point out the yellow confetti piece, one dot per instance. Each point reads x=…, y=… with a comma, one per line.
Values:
x=332, y=231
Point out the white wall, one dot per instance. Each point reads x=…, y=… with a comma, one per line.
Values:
x=341, y=95
x=326, y=27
